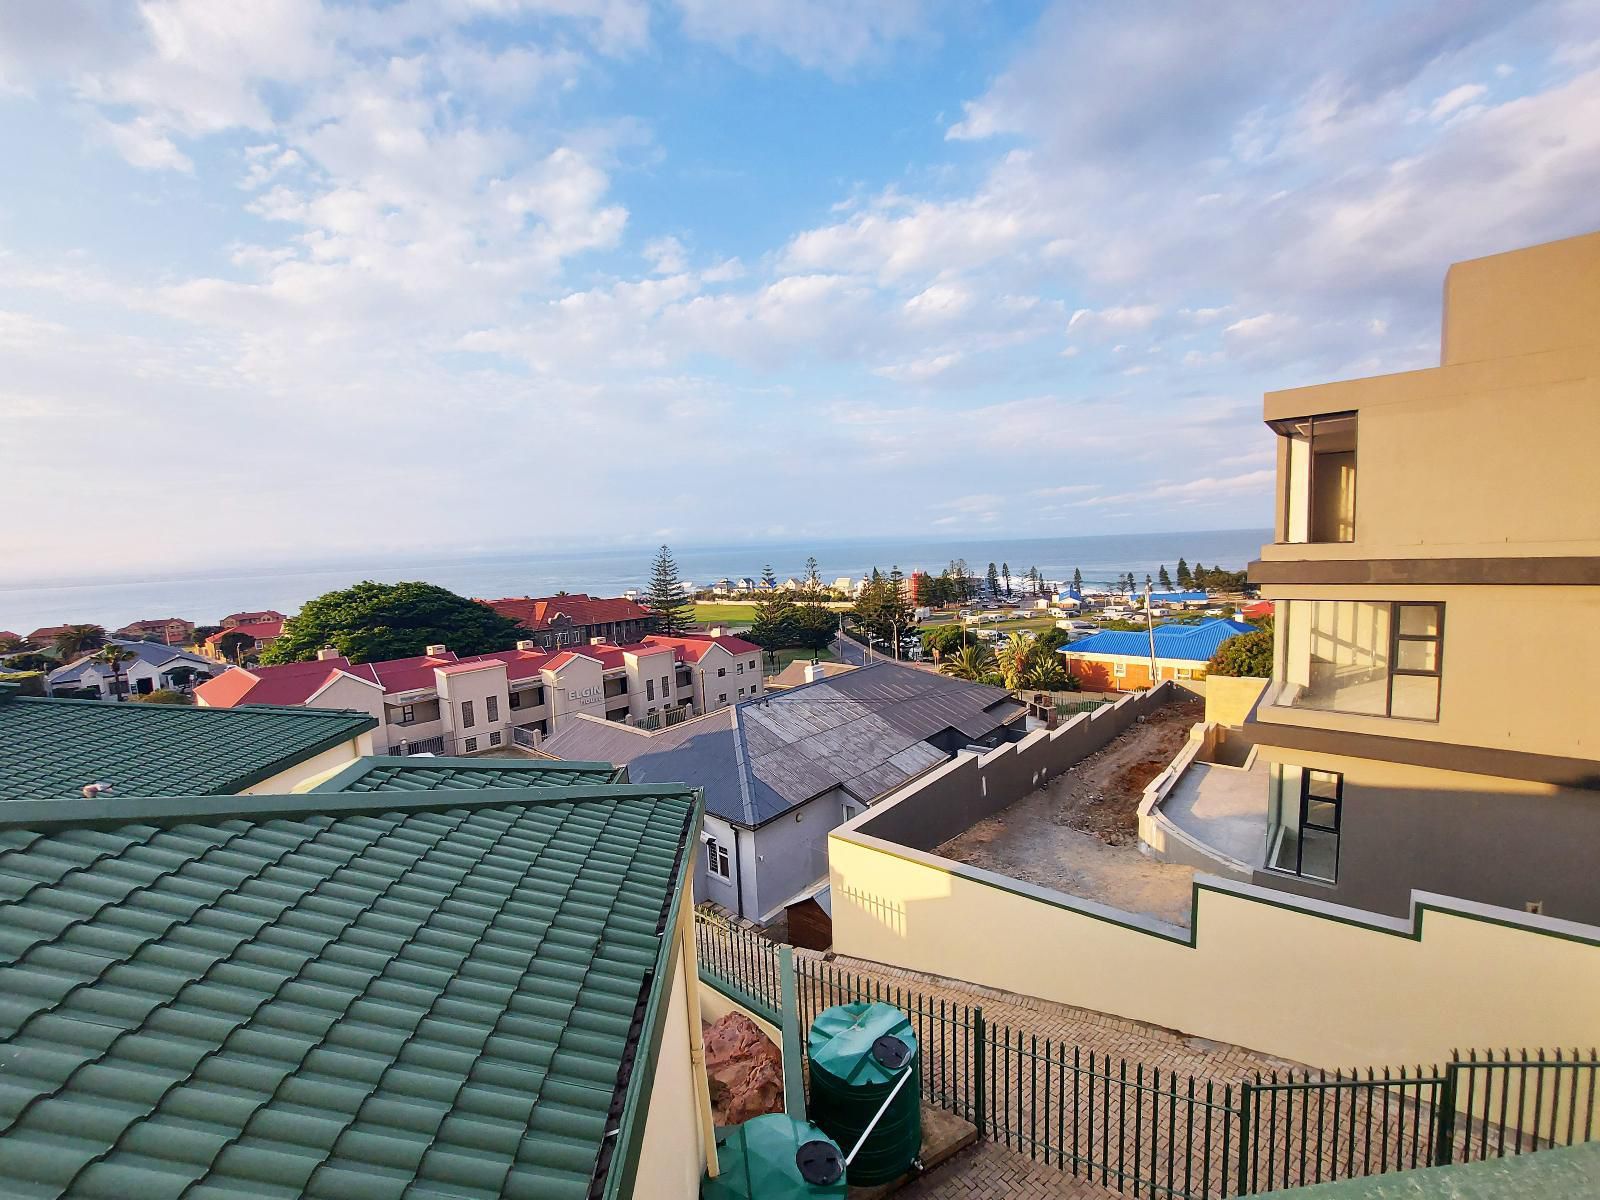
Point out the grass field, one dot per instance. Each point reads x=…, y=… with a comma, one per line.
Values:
x=724, y=611
x=785, y=657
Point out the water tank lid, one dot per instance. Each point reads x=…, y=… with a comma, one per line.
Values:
x=819, y=1162
x=890, y=1052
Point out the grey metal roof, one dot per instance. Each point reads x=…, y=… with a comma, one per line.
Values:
x=154, y=654
x=865, y=732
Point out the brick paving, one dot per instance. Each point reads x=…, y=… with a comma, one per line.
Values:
x=988, y=1171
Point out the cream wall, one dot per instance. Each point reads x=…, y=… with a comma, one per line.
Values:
x=1312, y=983
x=1538, y=298
x=1517, y=664
x=313, y=769
x=672, y=1156
x=1229, y=699
x=653, y=667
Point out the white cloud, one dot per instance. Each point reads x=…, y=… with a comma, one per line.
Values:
x=1455, y=99
x=831, y=35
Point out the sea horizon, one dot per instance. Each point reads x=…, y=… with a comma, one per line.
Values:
x=206, y=597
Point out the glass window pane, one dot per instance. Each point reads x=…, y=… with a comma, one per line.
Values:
x=1323, y=814
x=1416, y=697
x=1319, y=857
x=1324, y=784
x=1417, y=656
x=1420, y=619
x=1336, y=656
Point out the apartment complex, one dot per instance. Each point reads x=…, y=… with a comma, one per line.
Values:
x=442, y=703
x=259, y=617
x=225, y=645
x=169, y=631
x=575, y=620
x=1431, y=526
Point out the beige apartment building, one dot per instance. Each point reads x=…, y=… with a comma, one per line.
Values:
x=1433, y=720
x=441, y=703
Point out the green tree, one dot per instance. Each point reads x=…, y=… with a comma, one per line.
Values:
x=184, y=677
x=114, y=656
x=1038, y=580
x=768, y=579
x=75, y=641
x=812, y=579
x=1014, y=657
x=970, y=662
x=991, y=580
x=162, y=696
x=943, y=641
x=1077, y=579
x=1248, y=654
x=1166, y=580
x=1047, y=673
x=1185, y=580
x=1005, y=576
x=233, y=646
x=776, y=621
x=27, y=683
x=1051, y=640
x=374, y=621
x=881, y=609
x=30, y=660
x=669, y=611
x=815, y=625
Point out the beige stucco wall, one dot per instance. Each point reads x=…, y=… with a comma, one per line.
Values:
x=1307, y=986
x=1538, y=298
x=1516, y=665
x=672, y=1155
x=1229, y=699
x=314, y=769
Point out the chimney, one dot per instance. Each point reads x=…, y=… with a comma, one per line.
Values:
x=525, y=644
x=718, y=630
x=815, y=672
x=326, y=653
x=436, y=651
x=599, y=641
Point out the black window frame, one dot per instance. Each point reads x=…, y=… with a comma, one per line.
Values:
x=491, y=709
x=408, y=714
x=468, y=720
x=1336, y=829
x=471, y=745
x=718, y=864
x=515, y=701
x=1396, y=637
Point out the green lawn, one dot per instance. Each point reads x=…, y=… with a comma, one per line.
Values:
x=724, y=611
x=785, y=657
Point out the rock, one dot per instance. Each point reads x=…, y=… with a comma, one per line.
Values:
x=744, y=1069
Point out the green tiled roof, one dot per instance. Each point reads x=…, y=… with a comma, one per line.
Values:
x=418, y=774
x=343, y=996
x=52, y=748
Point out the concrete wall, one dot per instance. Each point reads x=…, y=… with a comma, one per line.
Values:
x=934, y=808
x=314, y=769
x=1497, y=841
x=791, y=854
x=1314, y=983
x=671, y=1158
x=1229, y=699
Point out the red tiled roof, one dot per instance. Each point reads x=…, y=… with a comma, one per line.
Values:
x=255, y=618
x=261, y=631
x=536, y=612
x=290, y=683
x=692, y=648
x=471, y=664
x=48, y=633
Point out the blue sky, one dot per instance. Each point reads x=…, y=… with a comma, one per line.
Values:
x=295, y=279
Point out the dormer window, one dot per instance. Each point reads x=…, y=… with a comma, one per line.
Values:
x=1319, y=495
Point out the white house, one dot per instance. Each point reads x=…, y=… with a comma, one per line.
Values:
x=150, y=667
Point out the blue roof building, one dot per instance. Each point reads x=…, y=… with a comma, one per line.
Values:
x=1179, y=597
x=1120, y=661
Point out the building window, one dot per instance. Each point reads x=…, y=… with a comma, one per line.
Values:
x=1306, y=814
x=741, y=693
x=467, y=720
x=721, y=671
x=1319, y=479
x=408, y=714
x=649, y=689
x=1185, y=673
x=717, y=859
x=738, y=668
x=516, y=701
x=491, y=709
x=752, y=664
x=494, y=739
x=1363, y=658
x=471, y=745
x=666, y=686
x=1119, y=670
x=723, y=698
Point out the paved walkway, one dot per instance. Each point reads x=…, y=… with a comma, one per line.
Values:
x=988, y=1171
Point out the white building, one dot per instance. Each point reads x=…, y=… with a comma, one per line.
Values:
x=150, y=667
x=442, y=703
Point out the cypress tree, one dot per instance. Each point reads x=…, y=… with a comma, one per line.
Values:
x=1185, y=580
x=669, y=614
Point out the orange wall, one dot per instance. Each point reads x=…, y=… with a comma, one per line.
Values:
x=1095, y=675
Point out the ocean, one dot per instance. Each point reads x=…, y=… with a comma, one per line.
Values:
x=205, y=597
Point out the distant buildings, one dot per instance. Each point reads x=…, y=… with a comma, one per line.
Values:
x=262, y=617
x=258, y=636
x=576, y=619
x=781, y=773
x=150, y=667
x=169, y=631
x=441, y=703
x=1114, y=661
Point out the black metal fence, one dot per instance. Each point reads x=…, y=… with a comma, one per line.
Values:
x=1158, y=1133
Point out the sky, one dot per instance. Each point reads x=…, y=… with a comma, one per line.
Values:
x=295, y=279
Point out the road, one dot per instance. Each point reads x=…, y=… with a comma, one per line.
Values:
x=849, y=652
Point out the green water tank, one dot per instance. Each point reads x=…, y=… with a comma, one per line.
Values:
x=775, y=1157
x=858, y=1053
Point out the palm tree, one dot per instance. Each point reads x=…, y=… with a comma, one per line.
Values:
x=1046, y=674
x=75, y=641
x=1015, y=655
x=970, y=662
x=114, y=655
